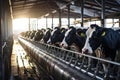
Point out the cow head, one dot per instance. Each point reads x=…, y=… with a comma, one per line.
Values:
x=38, y=35
x=54, y=36
x=32, y=34
x=94, y=38
x=69, y=37
x=47, y=35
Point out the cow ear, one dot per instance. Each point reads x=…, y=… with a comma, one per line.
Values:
x=82, y=34
x=62, y=30
x=103, y=33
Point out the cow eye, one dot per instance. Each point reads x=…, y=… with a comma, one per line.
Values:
x=94, y=37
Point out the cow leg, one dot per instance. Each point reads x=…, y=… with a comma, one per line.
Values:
x=89, y=63
x=105, y=68
x=109, y=69
x=100, y=54
x=92, y=63
x=113, y=68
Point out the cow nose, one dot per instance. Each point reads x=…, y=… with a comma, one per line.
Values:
x=48, y=42
x=85, y=50
x=62, y=45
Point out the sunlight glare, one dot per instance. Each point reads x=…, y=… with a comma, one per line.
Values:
x=20, y=25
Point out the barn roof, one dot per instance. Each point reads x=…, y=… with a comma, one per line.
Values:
x=39, y=8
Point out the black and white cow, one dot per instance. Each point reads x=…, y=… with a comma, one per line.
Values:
x=32, y=34
x=57, y=36
x=47, y=35
x=27, y=34
x=74, y=36
x=38, y=35
x=23, y=34
x=105, y=38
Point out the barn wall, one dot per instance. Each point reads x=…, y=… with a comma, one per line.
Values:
x=6, y=39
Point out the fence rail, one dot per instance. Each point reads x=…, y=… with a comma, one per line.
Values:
x=86, y=64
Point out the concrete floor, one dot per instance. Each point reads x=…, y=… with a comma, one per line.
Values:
x=22, y=68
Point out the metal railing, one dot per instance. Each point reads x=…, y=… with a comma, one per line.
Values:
x=87, y=64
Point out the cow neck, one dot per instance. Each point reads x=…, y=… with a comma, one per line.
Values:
x=109, y=40
x=79, y=41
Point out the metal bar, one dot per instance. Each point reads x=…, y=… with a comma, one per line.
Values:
x=59, y=18
x=103, y=13
x=46, y=22
x=113, y=22
x=52, y=21
x=1, y=54
x=96, y=58
x=29, y=28
x=68, y=6
x=37, y=24
x=82, y=13
x=73, y=59
x=119, y=21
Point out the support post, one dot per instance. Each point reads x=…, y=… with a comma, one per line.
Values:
x=68, y=6
x=59, y=17
x=119, y=21
x=46, y=23
x=29, y=24
x=103, y=13
x=37, y=24
x=52, y=21
x=82, y=13
x=1, y=77
x=113, y=22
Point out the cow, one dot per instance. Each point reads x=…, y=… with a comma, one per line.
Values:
x=32, y=34
x=47, y=35
x=27, y=34
x=74, y=36
x=23, y=34
x=74, y=40
x=38, y=35
x=57, y=36
x=107, y=39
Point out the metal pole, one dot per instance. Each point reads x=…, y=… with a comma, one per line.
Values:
x=59, y=17
x=1, y=4
x=37, y=23
x=46, y=23
x=68, y=6
x=113, y=22
x=32, y=26
x=28, y=24
x=82, y=13
x=52, y=21
x=103, y=14
x=119, y=22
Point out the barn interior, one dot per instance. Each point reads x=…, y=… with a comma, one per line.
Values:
x=83, y=12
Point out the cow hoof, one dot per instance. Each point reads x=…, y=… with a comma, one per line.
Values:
x=112, y=77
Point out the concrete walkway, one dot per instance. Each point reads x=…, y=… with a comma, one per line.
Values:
x=21, y=68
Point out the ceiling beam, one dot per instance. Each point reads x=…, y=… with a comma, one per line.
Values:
x=77, y=9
